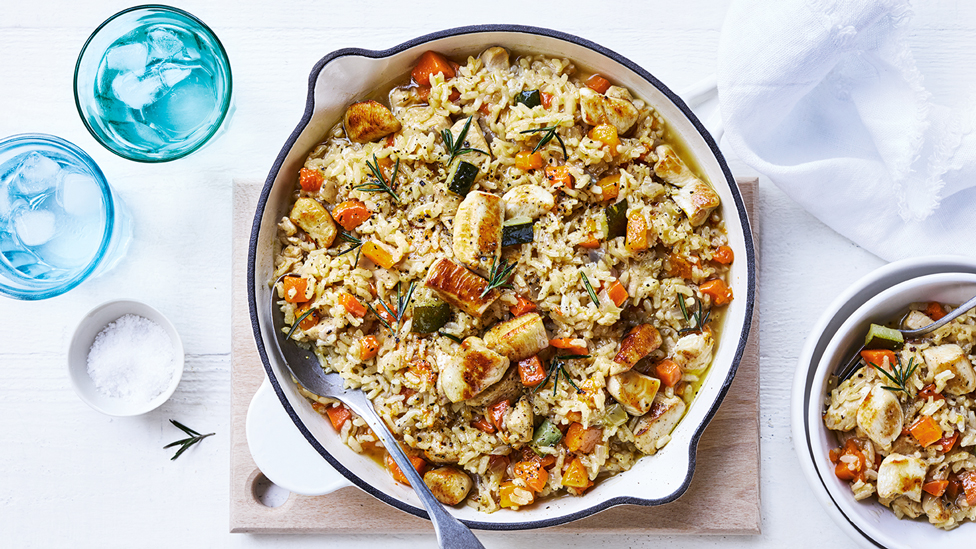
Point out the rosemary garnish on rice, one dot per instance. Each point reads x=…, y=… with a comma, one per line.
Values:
x=547, y=137
x=498, y=276
x=380, y=185
x=898, y=375
x=696, y=320
x=456, y=146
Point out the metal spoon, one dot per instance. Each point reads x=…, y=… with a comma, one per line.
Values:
x=851, y=366
x=305, y=367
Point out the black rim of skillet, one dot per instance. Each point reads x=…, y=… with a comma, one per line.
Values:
x=477, y=29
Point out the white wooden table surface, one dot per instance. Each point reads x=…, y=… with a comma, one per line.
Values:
x=70, y=476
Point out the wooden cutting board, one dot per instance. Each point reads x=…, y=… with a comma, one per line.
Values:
x=723, y=497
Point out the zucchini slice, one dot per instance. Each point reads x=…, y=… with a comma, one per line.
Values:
x=517, y=231
x=882, y=337
x=529, y=98
x=617, y=219
x=461, y=177
x=430, y=317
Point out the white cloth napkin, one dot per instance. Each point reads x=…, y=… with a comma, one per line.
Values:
x=824, y=98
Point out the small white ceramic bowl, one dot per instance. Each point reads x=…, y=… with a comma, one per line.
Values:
x=89, y=327
x=876, y=298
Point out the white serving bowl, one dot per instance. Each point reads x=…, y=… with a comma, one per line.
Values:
x=89, y=327
x=838, y=334
x=346, y=76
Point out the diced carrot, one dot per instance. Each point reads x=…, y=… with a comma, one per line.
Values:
x=669, y=372
x=723, y=255
x=877, y=356
x=483, y=425
x=455, y=95
x=384, y=314
x=338, y=415
x=309, y=321
x=936, y=487
x=385, y=165
x=352, y=305
x=575, y=346
x=948, y=441
x=378, y=254
x=369, y=346
x=391, y=139
x=929, y=391
x=528, y=160
x=423, y=93
x=835, y=454
x=418, y=463
x=954, y=487
x=528, y=454
x=579, y=439
x=546, y=99
x=310, y=180
x=521, y=306
x=926, y=431
x=531, y=371
x=617, y=293
x=679, y=266
x=575, y=475
x=295, y=288
x=590, y=242
x=853, y=469
x=511, y=495
x=559, y=176
x=485, y=109
x=496, y=413
x=532, y=473
x=606, y=134
x=968, y=480
x=350, y=214
x=716, y=288
x=934, y=310
x=422, y=370
x=610, y=186
x=598, y=83
x=636, y=240
x=431, y=63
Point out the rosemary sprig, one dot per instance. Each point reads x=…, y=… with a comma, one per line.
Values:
x=547, y=137
x=194, y=437
x=456, y=147
x=696, y=320
x=557, y=365
x=357, y=245
x=381, y=185
x=589, y=289
x=498, y=276
x=402, y=301
x=299, y=321
x=452, y=337
x=900, y=375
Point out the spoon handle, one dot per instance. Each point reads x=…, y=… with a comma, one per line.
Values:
x=450, y=531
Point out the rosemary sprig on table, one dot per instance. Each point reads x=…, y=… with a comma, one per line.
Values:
x=899, y=375
x=547, y=137
x=357, y=245
x=194, y=437
x=696, y=320
x=402, y=301
x=380, y=185
x=557, y=365
x=456, y=146
x=498, y=276
x=589, y=289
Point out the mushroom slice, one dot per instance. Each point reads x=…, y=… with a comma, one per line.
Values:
x=449, y=485
x=460, y=287
x=478, y=231
x=634, y=391
x=518, y=338
x=475, y=370
x=641, y=340
x=900, y=475
x=658, y=423
x=695, y=197
x=368, y=121
x=880, y=416
x=315, y=220
x=952, y=358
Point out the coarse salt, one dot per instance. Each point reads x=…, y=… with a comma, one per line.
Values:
x=132, y=359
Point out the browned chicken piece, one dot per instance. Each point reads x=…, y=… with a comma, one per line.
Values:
x=601, y=109
x=634, y=391
x=478, y=231
x=315, y=220
x=368, y=121
x=641, y=340
x=518, y=422
x=459, y=287
x=530, y=201
x=518, y=338
x=495, y=58
x=449, y=485
x=951, y=357
x=695, y=197
x=509, y=388
x=475, y=370
x=658, y=423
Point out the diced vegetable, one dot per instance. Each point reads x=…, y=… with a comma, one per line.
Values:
x=368, y=347
x=559, y=176
x=948, y=441
x=954, y=487
x=546, y=435
x=352, y=305
x=850, y=469
x=496, y=413
x=575, y=346
x=378, y=254
x=968, y=480
x=679, y=267
x=669, y=372
x=295, y=288
x=575, y=475
x=925, y=430
x=430, y=317
x=532, y=473
x=723, y=255
x=310, y=180
x=483, y=425
x=528, y=160
x=598, y=83
x=617, y=293
x=636, y=232
x=521, y=306
x=531, y=371
x=591, y=242
x=720, y=293
x=338, y=415
x=610, y=185
x=877, y=356
x=510, y=495
x=615, y=415
x=529, y=98
x=418, y=463
x=546, y=99
x=431, y=63
x=936, y=487
x=606, y=134
x=882, y=337
x=934, y=311
x=461, y=177
x=929, y=391
x=521, y=232
x=617, y=219
x=580, y=439
x=309, y=321
x=350, y=214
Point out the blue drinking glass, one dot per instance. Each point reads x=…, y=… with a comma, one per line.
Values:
x=60, y=222
x=153, y=83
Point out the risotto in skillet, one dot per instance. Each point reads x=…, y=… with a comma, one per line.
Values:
x=514, y=261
